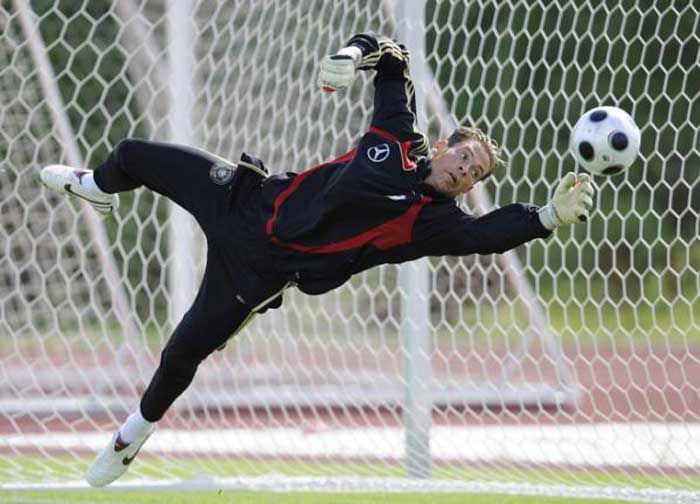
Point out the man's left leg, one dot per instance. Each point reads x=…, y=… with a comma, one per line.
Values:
x=214, y=316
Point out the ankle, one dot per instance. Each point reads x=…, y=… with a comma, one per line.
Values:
x=88, y=182
x=135, y=427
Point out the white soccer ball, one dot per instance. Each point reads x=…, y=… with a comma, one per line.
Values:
x=605, y=141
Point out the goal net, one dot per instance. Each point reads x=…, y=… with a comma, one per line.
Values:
x=567, y=367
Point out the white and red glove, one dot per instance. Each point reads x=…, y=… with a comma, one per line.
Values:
x=338, y=71
x=571, y=203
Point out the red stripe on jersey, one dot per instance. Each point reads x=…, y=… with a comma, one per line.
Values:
x=408, y=165
x=282, y=197
x=393, y=233
x=384, y=134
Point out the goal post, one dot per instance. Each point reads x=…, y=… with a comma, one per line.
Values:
x=184, y=241
x=566, y=367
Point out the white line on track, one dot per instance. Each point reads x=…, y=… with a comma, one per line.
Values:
x=614, y=444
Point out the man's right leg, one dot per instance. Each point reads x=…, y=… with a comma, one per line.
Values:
x=214, y=316
x=180, y=173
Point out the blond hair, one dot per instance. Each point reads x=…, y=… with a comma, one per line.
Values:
x=464, y=133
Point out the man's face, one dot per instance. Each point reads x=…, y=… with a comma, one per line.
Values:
x=455, y=169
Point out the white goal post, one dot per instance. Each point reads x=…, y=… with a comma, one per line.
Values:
x=569, y=366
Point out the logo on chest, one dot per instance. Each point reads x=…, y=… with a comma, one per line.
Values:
x=378, y=153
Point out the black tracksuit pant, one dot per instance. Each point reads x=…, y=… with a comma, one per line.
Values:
x=183, y=175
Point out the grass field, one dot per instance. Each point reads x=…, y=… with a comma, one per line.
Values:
x=67, y=469
x=36, y=469
x=230, y=497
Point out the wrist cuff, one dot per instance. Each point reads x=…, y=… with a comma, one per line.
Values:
x=548, y=217
x=354, y=52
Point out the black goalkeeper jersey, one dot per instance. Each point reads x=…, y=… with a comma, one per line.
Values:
x=370, y=206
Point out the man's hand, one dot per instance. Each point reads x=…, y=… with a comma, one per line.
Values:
x=338, y=71
x=571, y=203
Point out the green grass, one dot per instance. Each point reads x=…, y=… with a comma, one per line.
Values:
x=234, y=497
x=69, y=469
x=581, y=324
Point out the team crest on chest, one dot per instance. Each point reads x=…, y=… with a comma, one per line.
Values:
x=378, y=153
x=221, y=173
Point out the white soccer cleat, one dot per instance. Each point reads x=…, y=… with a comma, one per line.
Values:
x=66, y=180
x=115, y=459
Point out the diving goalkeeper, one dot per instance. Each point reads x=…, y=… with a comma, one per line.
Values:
x=390, y=199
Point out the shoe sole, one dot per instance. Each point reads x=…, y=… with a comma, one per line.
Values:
x=97, y=204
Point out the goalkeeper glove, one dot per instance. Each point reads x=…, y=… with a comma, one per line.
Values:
x=338, y=71
x=571, y=203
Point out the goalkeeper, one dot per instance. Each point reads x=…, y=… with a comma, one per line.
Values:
x=390, y=199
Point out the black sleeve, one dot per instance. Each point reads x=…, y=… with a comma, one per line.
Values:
x=394, y=94
x=496, y=232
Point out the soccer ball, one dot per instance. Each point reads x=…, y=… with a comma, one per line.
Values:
x=605, y=141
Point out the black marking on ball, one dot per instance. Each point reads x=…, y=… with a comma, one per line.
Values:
x=598, y=115
x=613, y=170
x=619, y=140
x=586, y=150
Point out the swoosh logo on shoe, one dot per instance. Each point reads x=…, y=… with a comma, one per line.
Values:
x=92, y=202
x=128, y=460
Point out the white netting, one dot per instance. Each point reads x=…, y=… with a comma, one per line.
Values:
x=571, y=364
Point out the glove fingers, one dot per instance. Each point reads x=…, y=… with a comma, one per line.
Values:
x=336, y=72
x=587, y=201
x=585, y=182
x=330, y=82
x=332, y=73
x=325, y=82
x=567, y=182
x=584, y=189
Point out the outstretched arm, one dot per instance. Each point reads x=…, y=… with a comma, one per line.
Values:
x=515, y=224
x=493, y=233
x=394, y=97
